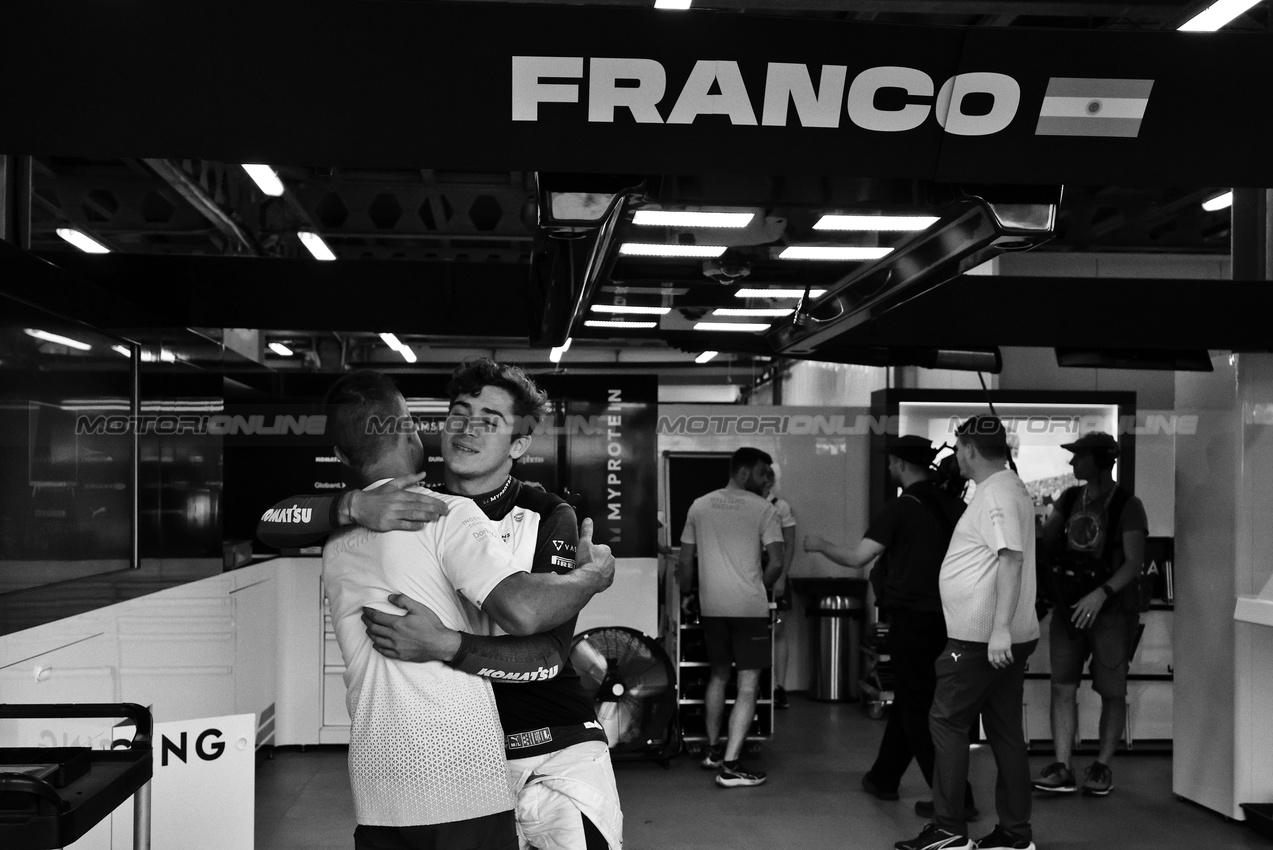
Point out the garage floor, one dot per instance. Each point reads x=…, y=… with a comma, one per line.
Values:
x=813, y=799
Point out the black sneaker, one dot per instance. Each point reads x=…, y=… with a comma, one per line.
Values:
x=1056, y=778
x=935, y=838
x=1002, y=839
x=780, y=698
x=713, y=756
x=868, y=785
x=925, y=809
x=1099, y=780
x=736, y=776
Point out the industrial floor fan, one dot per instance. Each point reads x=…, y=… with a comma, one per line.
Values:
x=633, y=685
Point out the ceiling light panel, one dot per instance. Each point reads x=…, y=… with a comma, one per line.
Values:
x=642, y=249
x=82, y=241
x=618, y=323
x=778, y=293
x=875, y=223
x=624, y=308
x=731, y=326
x=776, y=312
x=689, y=218
x=705, y=356
x=843, y=253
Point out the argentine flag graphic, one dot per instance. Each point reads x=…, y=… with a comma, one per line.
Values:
x=1081, y=106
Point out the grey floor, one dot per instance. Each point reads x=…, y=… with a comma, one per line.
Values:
x=813, y=799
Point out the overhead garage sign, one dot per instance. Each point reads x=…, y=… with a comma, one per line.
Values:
x=466, y=86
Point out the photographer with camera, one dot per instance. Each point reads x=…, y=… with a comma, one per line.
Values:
x=1096, y=532
x=907, y=539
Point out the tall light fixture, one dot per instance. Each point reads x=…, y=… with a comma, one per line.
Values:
x=58, y=338
x=315, y=245
x=83, y=241
x=265, y=179
x=554, y=356
x=1216, y=15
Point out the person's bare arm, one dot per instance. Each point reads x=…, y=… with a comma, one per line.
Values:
x=856, y=558
x=530, y=603
x=1007, y=592
x=788, y=555
x=773, y=567
x=685, y=567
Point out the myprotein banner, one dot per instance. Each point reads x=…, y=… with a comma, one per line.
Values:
x=611, y=464
x=583, y=89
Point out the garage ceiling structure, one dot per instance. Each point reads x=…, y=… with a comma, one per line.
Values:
x=386, y=124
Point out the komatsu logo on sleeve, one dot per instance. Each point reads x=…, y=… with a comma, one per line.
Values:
x=292, y=514
x=541, y=675
x=884, y=99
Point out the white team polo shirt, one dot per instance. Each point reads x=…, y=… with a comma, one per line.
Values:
x=1000, y=516
x=425, y=744
x=729, y=528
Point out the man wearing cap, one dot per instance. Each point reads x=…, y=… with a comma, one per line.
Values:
x=907, y=539
x=1099, y=530
x=987, y=585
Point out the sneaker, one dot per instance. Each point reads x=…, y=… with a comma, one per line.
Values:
x=780, y=698
x=1056, y=779
x=1002, y=839
x=926, y=809
x=713, y=756
x=1099, y=780
x=868, y=785
x=935, y=838
x=736, y=776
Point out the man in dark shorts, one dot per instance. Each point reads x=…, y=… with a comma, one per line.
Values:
x=558, y=758
x=1103, y=523
x=907, y=539
x=727, y=529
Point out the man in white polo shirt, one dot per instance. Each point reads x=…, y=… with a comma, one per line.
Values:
x=426, y=756
x=987, y=587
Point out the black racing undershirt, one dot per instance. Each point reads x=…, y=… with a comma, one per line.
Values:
x=560, y=701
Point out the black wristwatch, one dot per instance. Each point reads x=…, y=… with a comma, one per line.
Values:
x=1109, y=591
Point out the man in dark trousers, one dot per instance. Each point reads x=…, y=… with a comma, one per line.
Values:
x=1097, y=611
x=907, y=539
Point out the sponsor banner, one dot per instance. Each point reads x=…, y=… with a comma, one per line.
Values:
x=639, y=91
x=612, y=472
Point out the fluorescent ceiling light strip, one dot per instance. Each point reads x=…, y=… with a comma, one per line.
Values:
x=82, y=241
x=705, y=356
x=280, y=349
x=1216, y=15
x=1219, y=202
x=554, y=356
x=641, y=249
x=392, y=341
x=875, y=223
x=730, y=326
x=606, y=323
x=58, y=338
x=753, y=311
x=265, y=179
x=121, y=350
x=315, y=245
x=407, y=354
x=778, y=293
x=623, y=308
x=677, y=5
x=687, y=218
x=832, y=252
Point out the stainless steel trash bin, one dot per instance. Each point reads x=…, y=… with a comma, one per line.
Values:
x=836, y=648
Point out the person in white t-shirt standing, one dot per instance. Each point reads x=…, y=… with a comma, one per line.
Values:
x=727, y=529
x=426, y=754
x=987, y=585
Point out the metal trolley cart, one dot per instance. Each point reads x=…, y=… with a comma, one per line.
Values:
x=877, y=671
x=52, y=796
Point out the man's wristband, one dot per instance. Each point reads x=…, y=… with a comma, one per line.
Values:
x=1109, y=591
